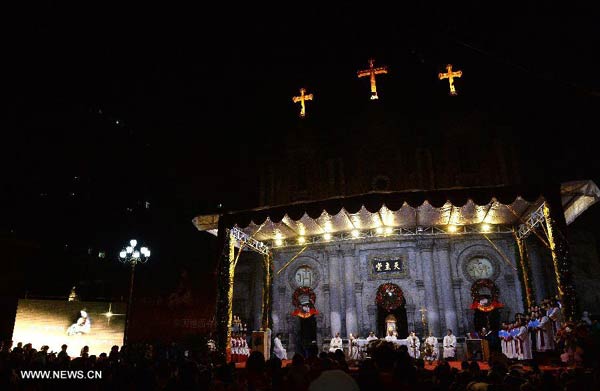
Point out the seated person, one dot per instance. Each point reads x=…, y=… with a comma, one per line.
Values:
x=336, y=343
x=391, y=336
x=371, y=337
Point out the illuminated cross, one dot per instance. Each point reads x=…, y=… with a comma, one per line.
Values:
x=371, y=72
x=450, y=76
x=303, y=97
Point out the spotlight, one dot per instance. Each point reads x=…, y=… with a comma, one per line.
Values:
x=452, y=228
x=327, y=236
x=389, y=230
x=355, y=233
x=301, y=240
x=486, y=227
x=278, y=242
x=379, y=230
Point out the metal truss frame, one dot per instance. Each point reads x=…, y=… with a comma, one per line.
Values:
x=243, y=238
x=533, y=220
x=395, y=233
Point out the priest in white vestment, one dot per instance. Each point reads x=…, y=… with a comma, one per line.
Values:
x=336, y=343
x=278, y=348
x=413, y=345
x=371, y=337
x=431, y=348
x=449, y=345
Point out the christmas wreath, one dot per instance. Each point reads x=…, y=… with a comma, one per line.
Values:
x=389, y=296
x=304, y=309
x=482, y=302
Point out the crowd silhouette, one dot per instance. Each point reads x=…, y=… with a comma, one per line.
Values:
x=171, y=367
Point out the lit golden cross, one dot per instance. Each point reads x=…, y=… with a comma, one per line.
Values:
x=450, y=76
x=303, y=97
x=371, y=72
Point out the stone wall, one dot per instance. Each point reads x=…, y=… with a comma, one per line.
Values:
x=435, y=279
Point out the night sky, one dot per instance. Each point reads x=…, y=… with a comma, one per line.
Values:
x=129, y=122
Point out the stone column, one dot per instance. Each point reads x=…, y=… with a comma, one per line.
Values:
x=372, y=310
x=325, y=311
x=257, y=298
x=446, y=290
x=350, y=265
x=538, y=277
x=415, y=256
x=425, y=248
x=281, y=325
x=358, y=287
x=512, y=294
x=460, y=307
x=524, y=261
x=335, y=284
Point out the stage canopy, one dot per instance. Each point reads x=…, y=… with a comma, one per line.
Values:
x=489, y=209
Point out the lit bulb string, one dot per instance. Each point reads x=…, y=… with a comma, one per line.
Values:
x=525, y=268
x=571, y=85
x=527, y=263
x=500, y=252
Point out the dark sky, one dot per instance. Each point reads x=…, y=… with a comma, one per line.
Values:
x=112, y=107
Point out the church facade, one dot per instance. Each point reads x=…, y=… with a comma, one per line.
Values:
x=435, y=276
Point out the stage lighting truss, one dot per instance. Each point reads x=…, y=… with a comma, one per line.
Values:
x=250, y=242
x=397, y=232
x=535, y=218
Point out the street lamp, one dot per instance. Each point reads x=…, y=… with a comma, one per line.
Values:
x=132, y=256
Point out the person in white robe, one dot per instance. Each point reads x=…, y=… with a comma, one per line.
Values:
x=523, y=341
x=545, y=338
x=371, y=337
x=278, y=348
x=554, y=314
x=449, y=345
x=413, y=345
x=336, y=343
x=431, y=348
x=512, y=348
x=353, y=345
x=82, y=326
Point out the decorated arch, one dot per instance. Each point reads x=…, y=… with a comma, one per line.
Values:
x=485, y=296
x=389, y=296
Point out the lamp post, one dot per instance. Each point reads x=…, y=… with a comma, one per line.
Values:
x=132, y=256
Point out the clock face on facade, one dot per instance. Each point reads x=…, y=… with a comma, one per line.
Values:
x=304, y=276
x=480, y=268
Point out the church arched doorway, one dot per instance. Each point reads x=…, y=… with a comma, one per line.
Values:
x=486, y=304
x=391, y=311
x=304, y=299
